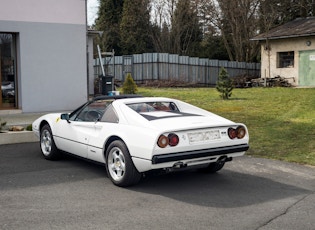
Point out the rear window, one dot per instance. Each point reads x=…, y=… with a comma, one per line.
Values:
x=144, y=107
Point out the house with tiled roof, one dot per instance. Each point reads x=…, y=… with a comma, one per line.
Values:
x=288, y=51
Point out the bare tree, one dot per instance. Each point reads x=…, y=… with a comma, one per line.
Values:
x=161, y=17
x=162, y=12
x=236, y=22
x=186, y=34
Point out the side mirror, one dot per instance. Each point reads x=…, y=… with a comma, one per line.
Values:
x=65, y=116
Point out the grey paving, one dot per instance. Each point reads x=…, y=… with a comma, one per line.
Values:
x=247, y=194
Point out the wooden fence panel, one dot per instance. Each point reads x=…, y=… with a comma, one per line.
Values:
x=169, y=67
x=173, y=68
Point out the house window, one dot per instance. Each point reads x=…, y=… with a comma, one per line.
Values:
x=286, y=59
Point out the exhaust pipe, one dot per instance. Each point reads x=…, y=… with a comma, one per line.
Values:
x=228, y=159
x=224, y=159
x=179, y=165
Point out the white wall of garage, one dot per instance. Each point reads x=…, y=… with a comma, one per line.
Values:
x=51, y=52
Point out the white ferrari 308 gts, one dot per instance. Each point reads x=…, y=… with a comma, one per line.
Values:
x=132, y=135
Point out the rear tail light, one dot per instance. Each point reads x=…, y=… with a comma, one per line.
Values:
x=173, y=139
x=238, y=133
x=241, y=132
x=232, y=133
x=162, y=141
x=170, y=140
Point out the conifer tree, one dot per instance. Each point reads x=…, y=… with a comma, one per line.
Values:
x=108, y=21
x=224, y=84
x=129, y=86
x=135, y=27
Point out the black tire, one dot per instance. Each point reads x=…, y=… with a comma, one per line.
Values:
x=47, y=144
x=119, y=165
x=213, y=167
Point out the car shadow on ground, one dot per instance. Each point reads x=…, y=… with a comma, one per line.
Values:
x=225, y=189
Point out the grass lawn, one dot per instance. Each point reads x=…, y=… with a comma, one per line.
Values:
x=281, y=121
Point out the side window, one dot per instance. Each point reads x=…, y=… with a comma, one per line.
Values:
x=285, y=59
x=93, y=111
x=75, y=113
x=110, y=115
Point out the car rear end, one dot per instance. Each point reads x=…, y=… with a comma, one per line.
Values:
x=191, y=147
x=185, y=135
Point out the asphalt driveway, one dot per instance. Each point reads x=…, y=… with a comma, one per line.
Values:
x=249, y=193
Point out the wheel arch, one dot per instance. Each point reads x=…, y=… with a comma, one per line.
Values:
x=46, y=122
x=47, y=143
x=42, y=124
x=110, y=140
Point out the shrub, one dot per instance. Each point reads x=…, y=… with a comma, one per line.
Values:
x=224, y=84
x=129, y=86
x=29, y=128
x=2, y=124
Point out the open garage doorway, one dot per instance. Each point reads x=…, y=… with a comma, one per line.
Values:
x=8, y=97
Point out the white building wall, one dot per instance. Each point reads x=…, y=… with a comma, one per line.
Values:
x=269, y=57
x=51, y=52
x=44, y=11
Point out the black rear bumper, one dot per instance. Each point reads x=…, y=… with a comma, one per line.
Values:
x=163, y=158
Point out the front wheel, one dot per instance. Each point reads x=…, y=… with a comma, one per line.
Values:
x=119, y=165
x=47, y=144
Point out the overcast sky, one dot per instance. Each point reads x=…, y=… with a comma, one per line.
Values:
x=92, y=8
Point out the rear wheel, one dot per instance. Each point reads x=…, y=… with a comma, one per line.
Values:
x=119, y=165
x=47, y=144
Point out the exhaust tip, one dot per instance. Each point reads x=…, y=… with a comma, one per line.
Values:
x=179, y=165
x=225, y=159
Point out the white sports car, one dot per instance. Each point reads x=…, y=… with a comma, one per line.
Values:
x=133, y=135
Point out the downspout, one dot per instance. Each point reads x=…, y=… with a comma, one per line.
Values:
x=268, y=53
x=87, y=51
